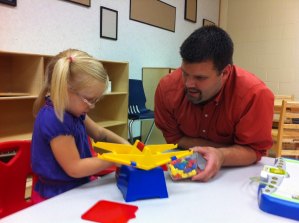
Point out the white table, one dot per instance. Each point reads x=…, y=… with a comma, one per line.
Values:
x=229, y=197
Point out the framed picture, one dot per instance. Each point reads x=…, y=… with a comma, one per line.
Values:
x=108, y=27
x=190, y=10
x=154, y=13
x=9, y=2
x=81, y=2
x=206, y=22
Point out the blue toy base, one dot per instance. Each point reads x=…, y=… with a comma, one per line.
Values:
x=136, y=184
x=278, y=206
x=277, y=191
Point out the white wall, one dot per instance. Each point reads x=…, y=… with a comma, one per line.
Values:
x=50, y=26
x=266, y=37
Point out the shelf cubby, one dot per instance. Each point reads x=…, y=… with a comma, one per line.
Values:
x=21, y=79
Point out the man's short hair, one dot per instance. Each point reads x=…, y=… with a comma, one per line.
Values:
x=208, y=43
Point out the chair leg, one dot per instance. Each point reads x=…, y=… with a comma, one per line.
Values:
x=130, y=130
x=149, y=133
x=279, y=147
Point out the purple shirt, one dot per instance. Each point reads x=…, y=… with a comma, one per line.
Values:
x=52, y=179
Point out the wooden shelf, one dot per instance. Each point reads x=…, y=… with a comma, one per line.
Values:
x=21, y=79
x=16, y=136
x=18, y=97
x=111, y=123
x=116, y=93
x=13, y=94
x=112, y=111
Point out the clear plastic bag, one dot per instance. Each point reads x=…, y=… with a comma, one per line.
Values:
x=186, y=167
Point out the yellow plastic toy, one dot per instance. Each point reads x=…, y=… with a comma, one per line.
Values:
x=141, y=156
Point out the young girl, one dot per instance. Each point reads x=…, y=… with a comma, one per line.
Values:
x=60, y=152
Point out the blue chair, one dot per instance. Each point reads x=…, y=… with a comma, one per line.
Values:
x=137, y=110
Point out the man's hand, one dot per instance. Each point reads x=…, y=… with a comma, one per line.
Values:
x=214, y=158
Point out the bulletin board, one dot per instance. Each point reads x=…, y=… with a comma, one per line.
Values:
x=190, y=10
x=154, y=13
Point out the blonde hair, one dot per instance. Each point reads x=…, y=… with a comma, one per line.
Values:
x=73, y=68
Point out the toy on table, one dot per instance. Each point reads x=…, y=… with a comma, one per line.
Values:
x=141, y=156
x=141, y=175
x=186, y=167
x=108, y=211
x=278, y=191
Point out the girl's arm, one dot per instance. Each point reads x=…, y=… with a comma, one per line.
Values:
x=99, y=133
x=67, y=155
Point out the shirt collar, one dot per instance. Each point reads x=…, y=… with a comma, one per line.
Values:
x=219, y=95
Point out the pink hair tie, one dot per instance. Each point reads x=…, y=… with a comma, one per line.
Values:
x=71, y=59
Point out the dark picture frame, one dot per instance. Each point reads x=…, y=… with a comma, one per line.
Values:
x=190, y=13
x=109, y=23
x=9, y=2
x=81, y=2
x=206, y=22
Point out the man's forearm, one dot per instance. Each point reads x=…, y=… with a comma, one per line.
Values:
x=188, y=142
x=233, y=155
x=237, y=155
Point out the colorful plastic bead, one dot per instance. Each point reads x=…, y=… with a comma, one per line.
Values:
x=183, y=168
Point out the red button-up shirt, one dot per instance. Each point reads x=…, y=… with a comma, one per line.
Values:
x=241, y=113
